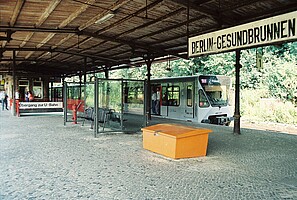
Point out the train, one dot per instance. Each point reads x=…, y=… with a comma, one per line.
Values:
x=199, y=98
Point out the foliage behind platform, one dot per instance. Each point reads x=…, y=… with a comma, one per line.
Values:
x=272, y=77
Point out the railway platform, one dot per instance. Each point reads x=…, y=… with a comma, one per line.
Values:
x=40, y=158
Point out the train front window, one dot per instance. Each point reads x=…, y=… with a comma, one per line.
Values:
x=173, y=95
x=216, y=89
x=203, y=103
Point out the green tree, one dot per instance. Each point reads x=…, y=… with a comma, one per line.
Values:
x=277, y=75
x=218, y=64
x=251, y=76
x=281, y=78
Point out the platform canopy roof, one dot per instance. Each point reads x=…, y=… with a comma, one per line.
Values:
x=67, y=37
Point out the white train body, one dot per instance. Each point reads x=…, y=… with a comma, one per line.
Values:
x=201, y=98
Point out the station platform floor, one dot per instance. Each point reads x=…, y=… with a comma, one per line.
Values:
x=40, y=158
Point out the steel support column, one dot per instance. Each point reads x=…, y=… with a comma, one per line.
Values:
x=96, y=106
x=65, y=100
x=236, y=129
x=106, y=73
x=52, y=91
x=80, y=85
x=85, y=83
x=85, y=70
x=148, y=88
x=14, y=90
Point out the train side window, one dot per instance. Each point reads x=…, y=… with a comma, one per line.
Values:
x=38, y=89
x=203, y=102
x=189, y=95
x=164, y=96
x=58, y=93
x=173, y=95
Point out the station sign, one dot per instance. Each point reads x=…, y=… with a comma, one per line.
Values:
x=40, y=105
x=263, y=32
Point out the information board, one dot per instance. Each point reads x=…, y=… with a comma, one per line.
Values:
x=40, y=105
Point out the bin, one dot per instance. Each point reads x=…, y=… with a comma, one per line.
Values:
x=176, y=141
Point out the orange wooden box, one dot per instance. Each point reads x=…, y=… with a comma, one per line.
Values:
x=176, y=141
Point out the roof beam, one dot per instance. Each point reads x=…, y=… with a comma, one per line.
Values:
x=37, y=29
x=125, y=42
x=86, y=55
x=144, y=9
x=197, y=7
x=239, y=4
x=63, y=23
x=76, y=14
x=159, y=20
x=41, y=69
x=172, y=27
x=112, y=39
x=40, y=61
x=85, y=33
x=59, y=51
x=58, y=44
x=42, y=19
x=116, y=6
x=269, y=13
x=156, y=32
x=16, y=12
x=51, y=7
x=214, y=14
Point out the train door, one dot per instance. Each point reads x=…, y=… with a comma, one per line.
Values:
x=156, y=99
x=164, y=100
x=174, y=106
x=57, y=94
x=23, y=87
x=188, y=100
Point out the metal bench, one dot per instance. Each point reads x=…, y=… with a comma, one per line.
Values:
x=103, y=116
x=89, y=115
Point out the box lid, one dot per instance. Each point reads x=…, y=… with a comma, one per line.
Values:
x=176, y=130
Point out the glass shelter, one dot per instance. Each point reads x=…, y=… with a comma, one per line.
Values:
x=106, y=104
